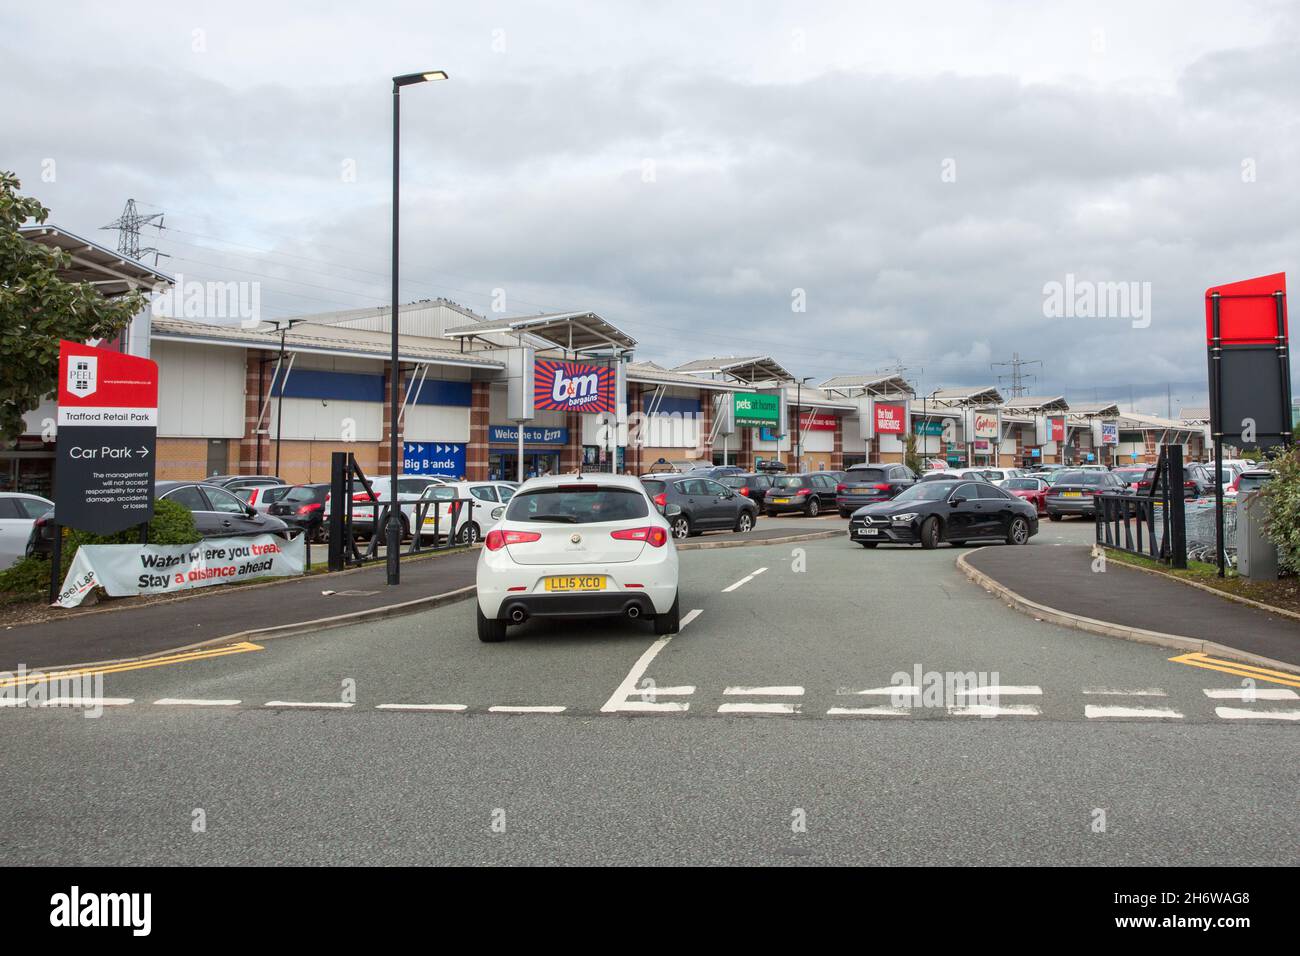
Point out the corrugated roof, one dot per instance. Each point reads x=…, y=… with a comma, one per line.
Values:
x=309, y=337
x=983, y=395
x=751, y=369
x=1054, y=403
x=571, y=331
x=112, y=273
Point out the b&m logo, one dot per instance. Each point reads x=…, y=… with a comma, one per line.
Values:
x=573, y=386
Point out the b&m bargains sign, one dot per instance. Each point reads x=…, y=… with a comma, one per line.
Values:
x=573, y=387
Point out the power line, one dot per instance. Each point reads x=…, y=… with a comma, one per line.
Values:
x=1017, y=376
x=128, y=232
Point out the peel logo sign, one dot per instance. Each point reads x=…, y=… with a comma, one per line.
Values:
x=573, y=387
x=82, y=375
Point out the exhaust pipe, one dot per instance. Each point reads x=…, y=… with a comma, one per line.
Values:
x=633, y=612
x=518, y=615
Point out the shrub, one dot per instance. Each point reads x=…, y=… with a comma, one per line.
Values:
x=171, y=524
x=1282, y=505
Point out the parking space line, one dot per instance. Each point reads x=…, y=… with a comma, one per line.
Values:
x=526, y=709
x=757, y=708
x=1250, y=693
x=329, y=704
x=1105, y=711
x=87, y=702
x=193, y=702
x=882, y=711
x=1112, y=692
x=745, y=580
x=790, y=691
x=623, y=698
x=999, y=690
x=992, y=710
x=1239, y=713
x=453, y=708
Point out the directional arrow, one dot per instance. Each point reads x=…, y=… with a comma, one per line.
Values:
x=144, y=451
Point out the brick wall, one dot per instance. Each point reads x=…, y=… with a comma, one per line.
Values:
x=253, y=394
x=479, y=413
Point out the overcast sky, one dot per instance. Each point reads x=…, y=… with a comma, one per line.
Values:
x=919, y=171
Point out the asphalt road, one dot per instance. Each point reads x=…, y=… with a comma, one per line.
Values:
x=747, y=738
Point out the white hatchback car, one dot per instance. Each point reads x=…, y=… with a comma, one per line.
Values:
x=578, y=546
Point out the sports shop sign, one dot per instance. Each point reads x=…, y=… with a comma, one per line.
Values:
x=107, y=431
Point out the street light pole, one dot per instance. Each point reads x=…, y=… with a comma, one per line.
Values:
x=798, y=421
x=279, y=401
x=394, y=536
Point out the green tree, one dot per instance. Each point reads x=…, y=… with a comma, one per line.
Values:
x=37, y=309
x=1282, y=502
x=910, y=456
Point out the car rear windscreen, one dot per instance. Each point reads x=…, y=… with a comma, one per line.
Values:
x=733, y=481
x=652, y=486
x=577, y=504
x=789, y=481
x=1021, y=484
x=1251, y=482
x=866, y=474
x=305, y=493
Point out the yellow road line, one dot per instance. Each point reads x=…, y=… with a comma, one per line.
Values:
x=36, y=677
x=1201, y=659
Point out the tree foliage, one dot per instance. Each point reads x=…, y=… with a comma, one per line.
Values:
x=38, y=308
x=1282, y=505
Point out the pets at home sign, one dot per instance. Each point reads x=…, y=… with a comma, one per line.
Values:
x=127, y=569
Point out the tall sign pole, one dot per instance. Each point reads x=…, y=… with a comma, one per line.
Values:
x=1249, y=372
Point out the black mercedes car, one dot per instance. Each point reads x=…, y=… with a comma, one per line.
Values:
x=954, y=511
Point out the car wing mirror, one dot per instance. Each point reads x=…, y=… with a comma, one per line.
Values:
x=956, y=500
x=672, y=511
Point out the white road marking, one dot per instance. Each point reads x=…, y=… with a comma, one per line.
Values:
x=438, y=707
x=990, y=710
x=1095, y=711
x=790, y=691
x=869, y=712
x=902, y=690
x=745, y=580
x=194, y=702
x=1113, y=692
x=999, y=690
x=333, y=704
x=1247, y=694
x=1238, y=713
x=666, y=691
x=88, y=702
x=525, y=709
x=753, y=708
x=624, y=699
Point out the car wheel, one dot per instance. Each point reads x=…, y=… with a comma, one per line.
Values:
x=868, y=544
x=844, y=514
x=490, y=630
x=671, y=622
x=681, y=527
x=1053, y=517
x=469, y=534
x=930, y=533
x=745, y=522
x=1018, y=532
x=813, y=508
x=406, y=529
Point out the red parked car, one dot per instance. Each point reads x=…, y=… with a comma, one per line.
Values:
x=1033, y=490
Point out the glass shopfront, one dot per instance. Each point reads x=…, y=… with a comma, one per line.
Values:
x=503, y=465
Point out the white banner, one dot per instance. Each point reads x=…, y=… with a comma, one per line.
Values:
x=126, y=569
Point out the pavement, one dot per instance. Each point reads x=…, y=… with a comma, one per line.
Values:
x=809, y=712
x=1132, y=598
x=127, y=629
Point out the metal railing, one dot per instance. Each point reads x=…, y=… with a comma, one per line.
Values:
x=342, y=534
x=1153, y=525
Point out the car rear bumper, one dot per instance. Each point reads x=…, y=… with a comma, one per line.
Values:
x=1072, y=506
x=795, y=504
x=503, y=585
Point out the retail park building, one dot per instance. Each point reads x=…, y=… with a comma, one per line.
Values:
x=267, y=399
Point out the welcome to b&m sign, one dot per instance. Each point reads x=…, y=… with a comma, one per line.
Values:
x=573, y=386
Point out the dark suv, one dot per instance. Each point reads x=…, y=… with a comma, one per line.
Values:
x=753, y=487
x=706, y=505
x=867, y=484
x=810, y=493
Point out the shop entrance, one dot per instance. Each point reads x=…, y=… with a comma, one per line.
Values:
x=504, y=465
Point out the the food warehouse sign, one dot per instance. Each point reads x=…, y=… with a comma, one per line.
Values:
x=108, y=422
x=756, y=411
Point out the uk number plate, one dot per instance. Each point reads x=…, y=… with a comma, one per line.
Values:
x=584, y=582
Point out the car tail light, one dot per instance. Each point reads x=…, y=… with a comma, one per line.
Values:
x=310, y=507
x=496, y=540
x=362, y=496
x=840, y=489
x=744, y=491
x=1233, y=486
x=802, y=491
x=881, y=487
x=252, y=496
x=652, y=535
x=661, y=499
